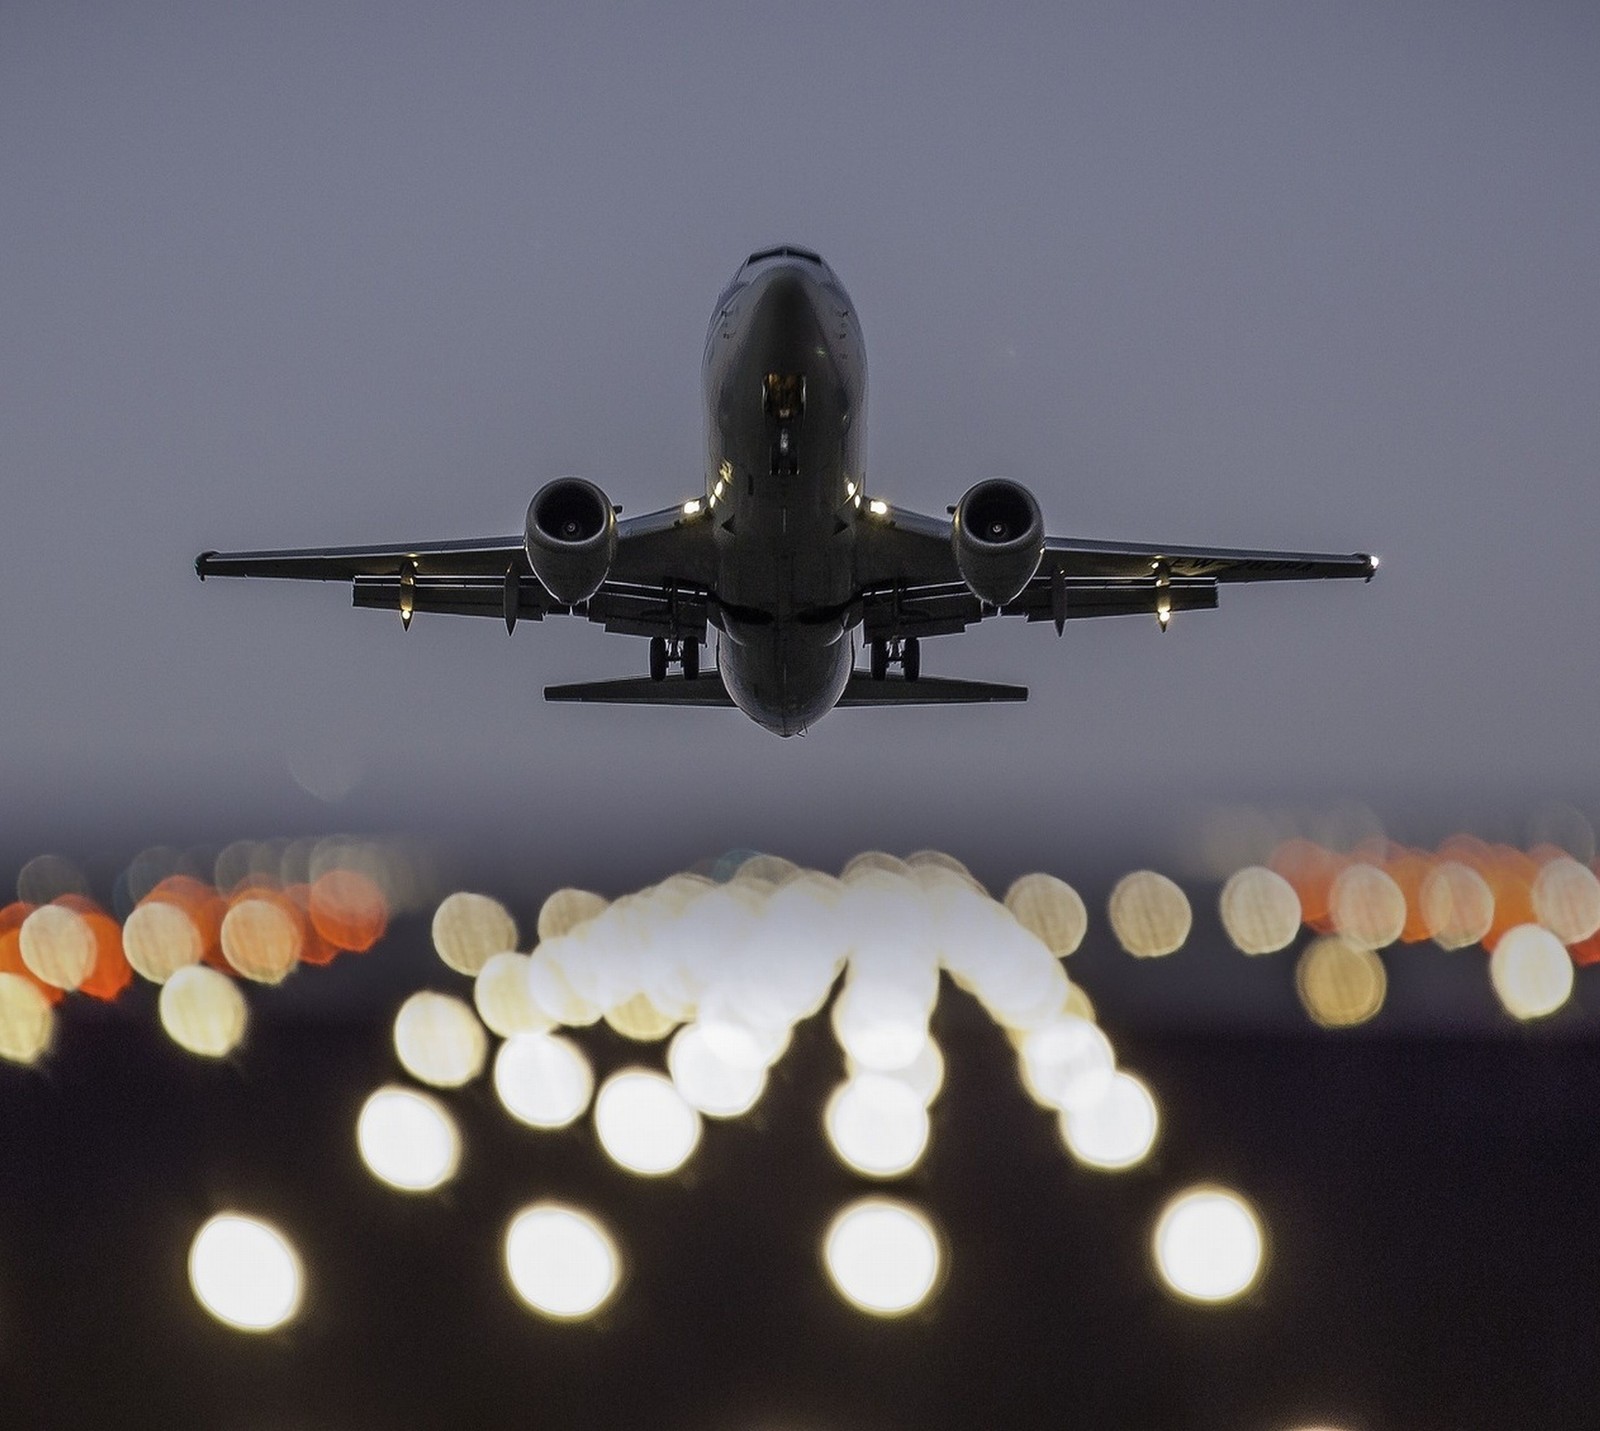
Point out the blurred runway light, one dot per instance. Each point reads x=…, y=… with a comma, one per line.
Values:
x=439, y=1040
x=348, y=909
x=58, y=946
x=202, y=1011
x=1260, y=910
x=503, y=999
x=877, y=1125
x=1566, y=897
x=262, y=939
x=717, y=1088
x=46, y=878
x=1115, y=1132
x=566, y=910
x=542, y=1079
x=552, y=992
x=640, y=1020
x=644, y=1123
x=924, y=1075
x=1457, y=905
x=469, y=928
x=1564, y=828
x=159, y=939
x=245, y=1273
x=1068, y=1063
x=408, y=1139
x=1051, y=910
x=1149, y=914
x=1367, y=906
x=1531, y=972
x=883, y=1257
x=561, y=1262
x=27, y=1022
x=1209, y=1245
x=1311, y=870
x=1340, y=984
x=873, y=862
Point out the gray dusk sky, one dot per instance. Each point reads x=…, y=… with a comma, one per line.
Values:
x=1317, y=276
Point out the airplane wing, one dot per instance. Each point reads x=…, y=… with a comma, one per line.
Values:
x=912, y=586
x=657, y=584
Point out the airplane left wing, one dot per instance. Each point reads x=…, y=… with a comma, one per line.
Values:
x=656, y=585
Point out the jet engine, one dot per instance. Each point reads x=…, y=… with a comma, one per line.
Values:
x=571, y=538
x=998, y=535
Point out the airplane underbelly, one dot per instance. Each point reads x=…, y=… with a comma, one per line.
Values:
x=785, y=675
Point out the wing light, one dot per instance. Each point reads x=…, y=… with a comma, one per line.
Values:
x=691, y=508
x=878, y=508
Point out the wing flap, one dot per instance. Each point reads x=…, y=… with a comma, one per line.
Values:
x=862, y=690
x=704, y=690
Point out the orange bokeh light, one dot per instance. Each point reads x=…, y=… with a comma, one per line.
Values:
x=1311, y=871
x=1408, y=869
x=204, y=906
x=348, y=909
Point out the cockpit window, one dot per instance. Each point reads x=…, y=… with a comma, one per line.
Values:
x=785, y=251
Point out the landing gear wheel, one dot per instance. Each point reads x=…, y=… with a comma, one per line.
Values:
x=880, y=660
x=690, y=660
x=911, y=658
x=658, y=658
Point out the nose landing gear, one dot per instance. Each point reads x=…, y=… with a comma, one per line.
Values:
x=681, y=652
x=902, y=651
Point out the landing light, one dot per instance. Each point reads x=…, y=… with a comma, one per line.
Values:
x=878, y=508
x=849, y=489
x=691, y=508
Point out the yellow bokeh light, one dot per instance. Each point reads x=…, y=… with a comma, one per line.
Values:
x=1150, y=915
x=640, y=1020
x=159, y=939
x=1209, y=1245
x=1260, y=910
x=261, y=940
x=1457, y=905
x=877, y=1125
x=1531, y=972
x=644, y=1124
x=27, y=1022
x=1367, y=907
x=1566, y=897
x=1340, y=984
x=566, y=910
x=58, y=945
x=245, y=1273
x=1051, y=910
x=503, y=998
x=883, y=1257
x=1117, y=1131
x=202, y=1011
x=439, y=1040
x=469, y=928
x=408, y=1139
x=542, y=1079
x=561, y=1261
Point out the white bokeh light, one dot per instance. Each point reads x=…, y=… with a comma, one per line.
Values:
x=202, y=1011
x=439, y=1040
x=542, y=1079
x=644, y=1123
x=1115, y=1132
x=408, y=1139
x=245, y=1273
x=707, y=1081
x=561, y=1262
x=877, y=1124
x=1209, y=1245
x=883, y=1257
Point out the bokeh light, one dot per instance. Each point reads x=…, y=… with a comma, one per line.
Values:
x=1531, y=972
x=644, y=1123
x=1117, y=1131
x=27, y=1022
x=567, y=910
x=202, y=1011
x=1051, y=910
x=1566, y=897
x=1209, y=1245
x=439, y=1040
x=1260, y=910
x=58, y=946
x=1069, y=1063
x=245, y=1273
x=542, y=1079
x=1457, y=905
x=503, y=998
x=159, y=939
x=877, y=1125
x=469, y=928
x=561, y=1261
x=1340, y=984
x=883, y=1257
x=707, y=1081
x=1150, y=915
x=262, y=938
x=1366, y=906
x=408, y=1139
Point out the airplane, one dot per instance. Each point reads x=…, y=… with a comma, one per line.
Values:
x=784, y=553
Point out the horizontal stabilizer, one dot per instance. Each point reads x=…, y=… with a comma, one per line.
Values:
x=925, y=691
x=705, y=690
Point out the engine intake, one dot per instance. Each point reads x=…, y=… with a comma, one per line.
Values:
x=998, y=536
x=570, y=538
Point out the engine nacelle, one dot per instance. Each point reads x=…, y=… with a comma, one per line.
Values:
x=998, y=535
x=570, y=538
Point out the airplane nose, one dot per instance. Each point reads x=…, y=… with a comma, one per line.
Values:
x=786, y=296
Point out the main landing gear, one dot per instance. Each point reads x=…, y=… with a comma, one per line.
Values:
x=902, y=651
x=682, y=652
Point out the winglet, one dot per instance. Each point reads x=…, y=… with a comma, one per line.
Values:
x=200, y=564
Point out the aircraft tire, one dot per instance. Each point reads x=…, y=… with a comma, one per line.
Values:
x=911, y=658
x=880, y=660
x=691, y=660
x=658, y=658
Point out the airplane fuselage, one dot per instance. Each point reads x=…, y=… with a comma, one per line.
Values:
x=785, y=387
